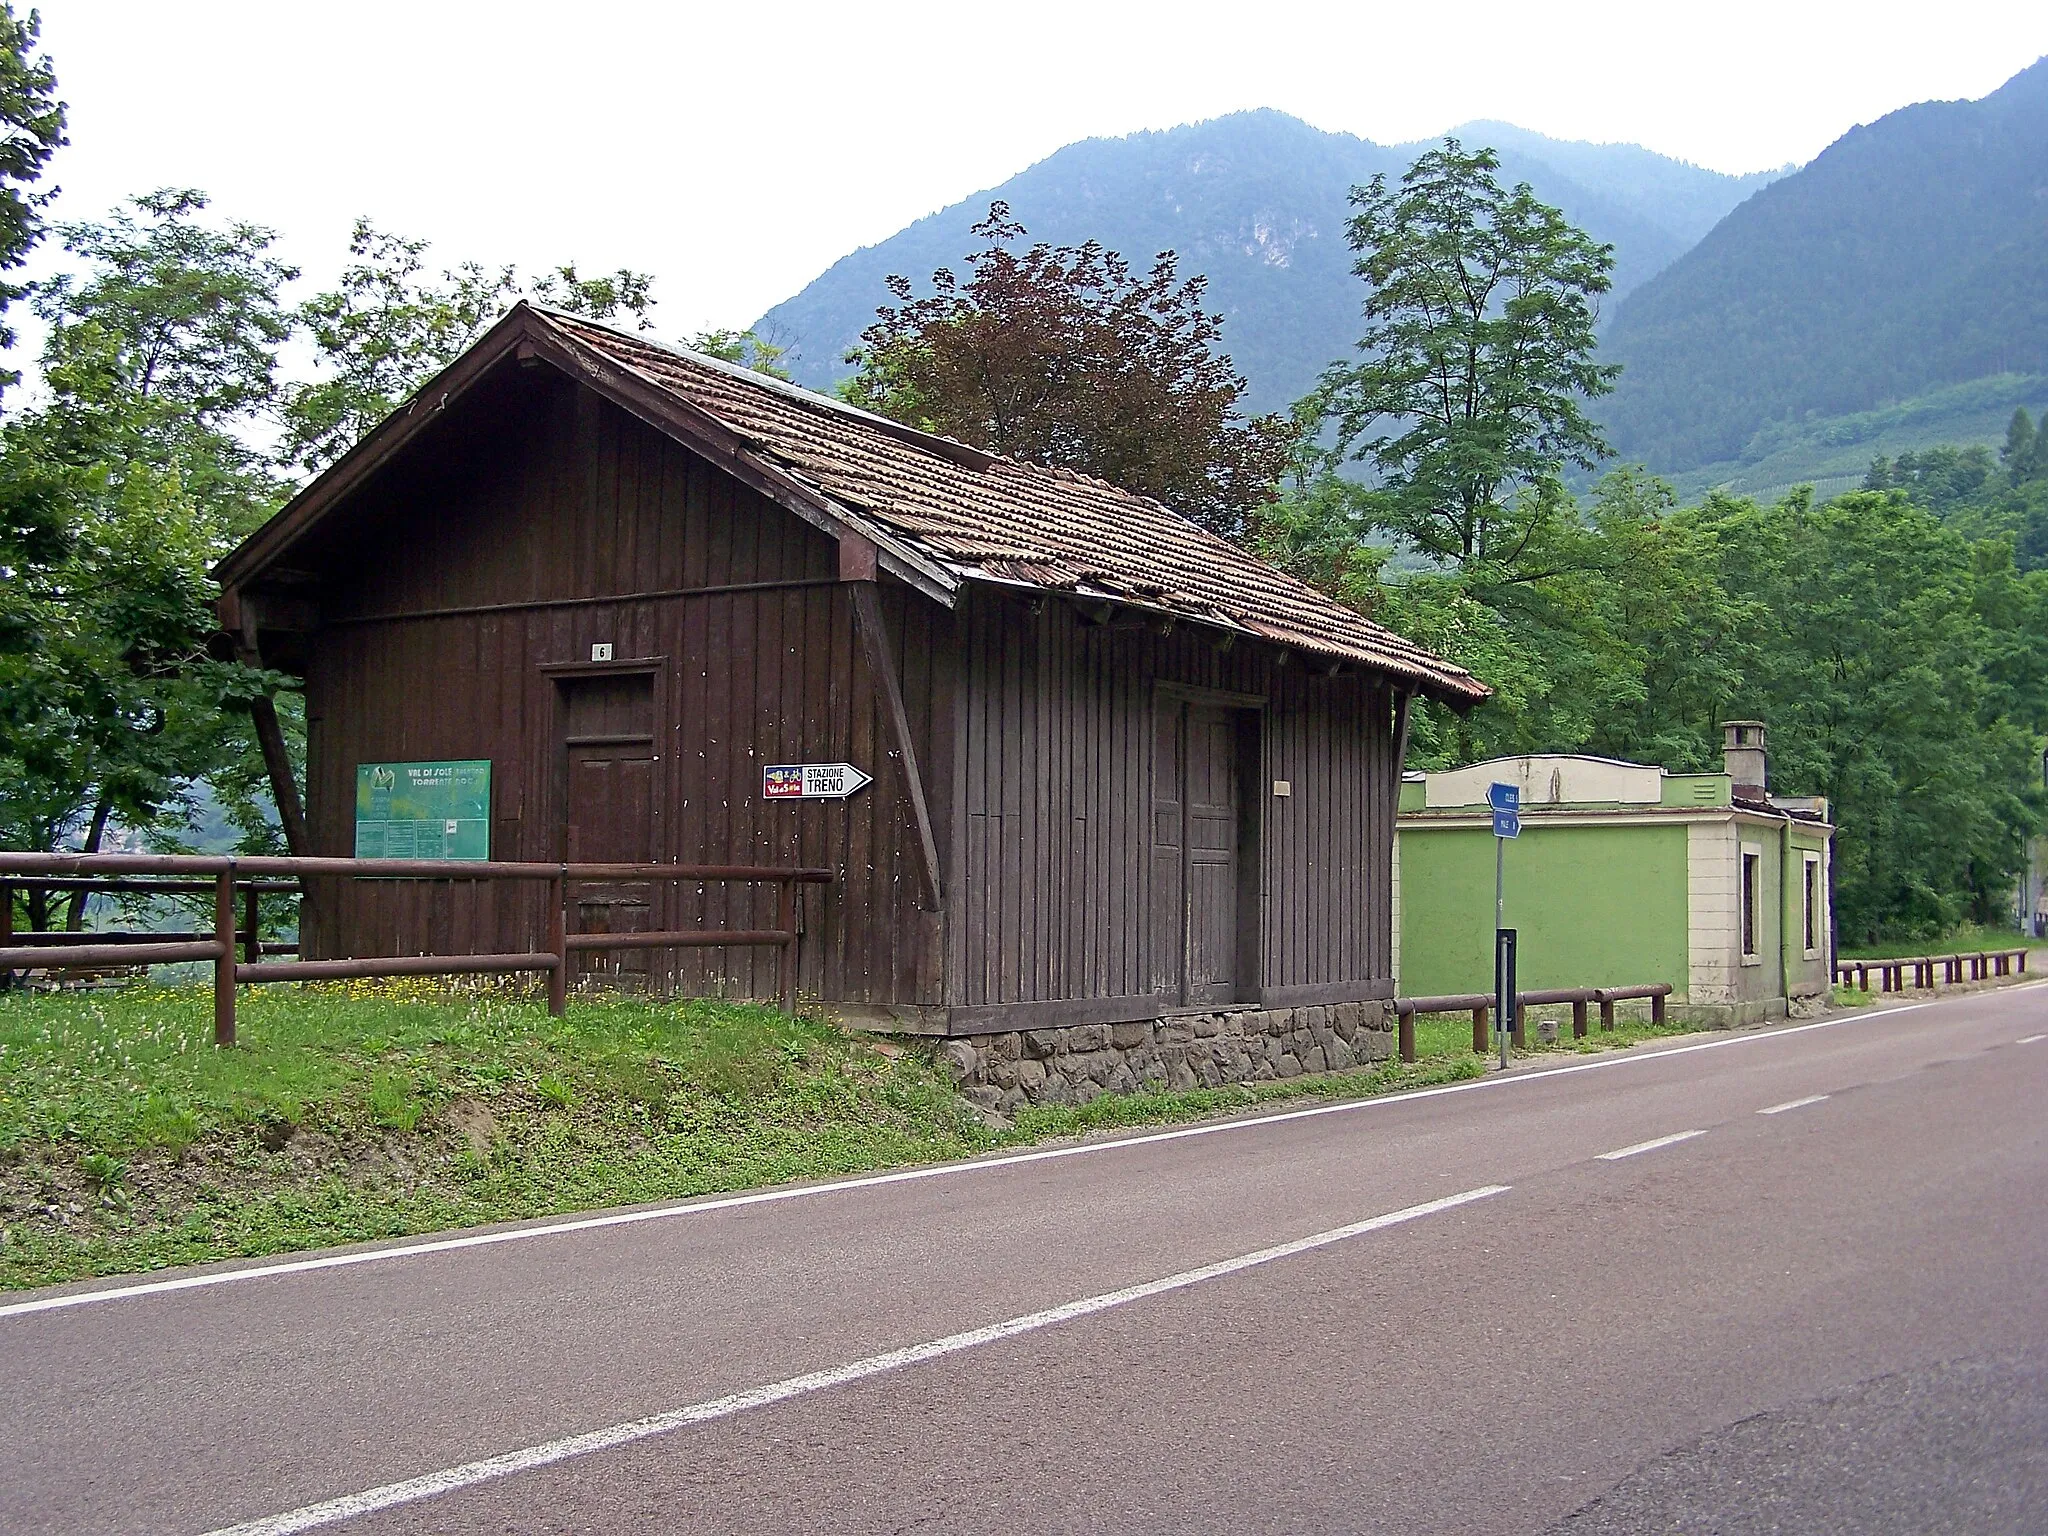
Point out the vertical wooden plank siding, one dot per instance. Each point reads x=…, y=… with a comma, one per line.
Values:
x=556, y=524
x=1062, y=735
x=552, y=522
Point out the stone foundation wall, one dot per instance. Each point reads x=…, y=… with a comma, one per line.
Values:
x=1004, y=1072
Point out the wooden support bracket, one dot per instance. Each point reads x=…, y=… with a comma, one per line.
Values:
x=867, y=608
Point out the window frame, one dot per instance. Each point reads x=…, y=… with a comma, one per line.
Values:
x=1749, y=891
x=1810, y=884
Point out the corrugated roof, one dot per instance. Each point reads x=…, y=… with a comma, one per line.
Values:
x=988, y=518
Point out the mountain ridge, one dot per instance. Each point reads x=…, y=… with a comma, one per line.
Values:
x=1905, y=258
x=1257, y=201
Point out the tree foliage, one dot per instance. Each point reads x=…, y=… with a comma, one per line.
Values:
x=388, y=326
x=121, y=485
x=1063, y=355
x=31, y=130
x=745, y=348
x=1478, y=356
x=1977, y=497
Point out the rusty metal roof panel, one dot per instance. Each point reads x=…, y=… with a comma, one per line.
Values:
x=1016, y=523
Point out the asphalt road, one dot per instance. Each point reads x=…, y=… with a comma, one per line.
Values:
x=1832, y=1317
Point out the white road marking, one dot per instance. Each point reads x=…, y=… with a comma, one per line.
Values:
x=490, y=1468
x=1779, y=1109
x=1649, y=1146
x=696, y=1207
x=2030, y=1039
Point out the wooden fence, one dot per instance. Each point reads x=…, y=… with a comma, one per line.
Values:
x=1982, y=965
x=1480, y=1006
x=253, y=877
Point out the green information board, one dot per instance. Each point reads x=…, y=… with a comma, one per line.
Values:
x=423, y=810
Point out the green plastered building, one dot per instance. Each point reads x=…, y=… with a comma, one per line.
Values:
x=1624, y=873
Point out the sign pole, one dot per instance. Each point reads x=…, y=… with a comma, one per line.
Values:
x=1503, y=981
x=1506, y=803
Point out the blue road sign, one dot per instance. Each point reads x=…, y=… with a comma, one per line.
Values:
x=1504, y=797
x=1507, y=823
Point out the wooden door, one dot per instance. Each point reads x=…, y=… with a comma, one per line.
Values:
x=608, y=813
x=1212, y=819
x=1197, y=835
x=1168, y=938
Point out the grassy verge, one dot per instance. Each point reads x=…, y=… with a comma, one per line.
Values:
x=376, y=1110
x=1445, y=1036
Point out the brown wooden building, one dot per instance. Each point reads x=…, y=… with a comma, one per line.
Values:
x=1122, y=769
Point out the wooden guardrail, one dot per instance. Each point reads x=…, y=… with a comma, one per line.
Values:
x=46, y=951
x=249, y=936
x=1981, y=965
x=1480, y=1006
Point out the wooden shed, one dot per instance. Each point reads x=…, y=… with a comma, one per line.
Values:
x=1124, y=773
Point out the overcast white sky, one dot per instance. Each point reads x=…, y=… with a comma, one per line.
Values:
x=736, y=150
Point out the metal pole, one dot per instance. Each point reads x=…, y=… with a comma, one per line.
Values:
x=1503, y=983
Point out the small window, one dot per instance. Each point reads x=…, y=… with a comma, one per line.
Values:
x=1812, y=906
x=1752, y=870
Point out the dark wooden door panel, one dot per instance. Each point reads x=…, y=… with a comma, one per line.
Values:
x=1212, y=840
x=608, y=814
x=1168, y=944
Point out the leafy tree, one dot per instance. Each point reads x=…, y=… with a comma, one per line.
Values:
x=1465, y=411
x=388, y=327
x=134, y=474
x=1478, y=356
x=744, y=348
x=31, y=130
x=2019, y=453
x=1062, y=355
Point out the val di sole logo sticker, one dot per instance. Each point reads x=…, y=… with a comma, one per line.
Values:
x=784, y=782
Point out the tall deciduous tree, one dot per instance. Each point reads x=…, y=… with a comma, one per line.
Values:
x=31, y=130
x=1478, y=359
x=138, y=466
x=1063, y=355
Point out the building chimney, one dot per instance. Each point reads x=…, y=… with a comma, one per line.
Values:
x=1742, y=754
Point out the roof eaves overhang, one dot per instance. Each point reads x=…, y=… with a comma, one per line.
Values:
x=1413, y=677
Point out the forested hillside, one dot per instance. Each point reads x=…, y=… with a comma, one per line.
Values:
x=1908, y=257
x=1256, y=202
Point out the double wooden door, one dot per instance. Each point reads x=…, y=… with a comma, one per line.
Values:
x=608, y=812
x=1204, y=921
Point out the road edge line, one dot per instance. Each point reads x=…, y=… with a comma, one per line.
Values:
x=701, y=1205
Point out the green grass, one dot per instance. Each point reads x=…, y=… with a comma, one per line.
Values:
x=1440, y=1036
x=1967, y=939
x=376, y=1110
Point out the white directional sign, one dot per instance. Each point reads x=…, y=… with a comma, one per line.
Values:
x=812, y=781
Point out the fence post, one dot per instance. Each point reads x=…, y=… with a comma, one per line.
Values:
x=1657, y=1007
x=558, y=943
x=1578, y=1018
x=252, y=913
x=785, y=961
x=1606, y=1013
x=1521, y=1029
x=1480, y=1017
x=224, y=959
x=1404, y=1025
